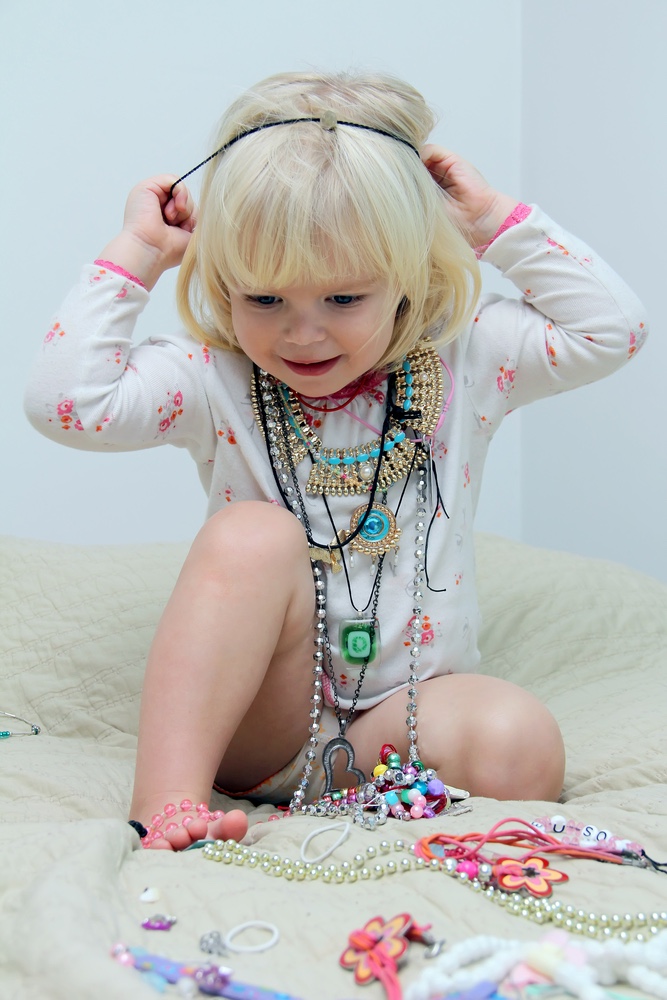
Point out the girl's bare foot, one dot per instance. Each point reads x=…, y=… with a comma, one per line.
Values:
x=179, y=828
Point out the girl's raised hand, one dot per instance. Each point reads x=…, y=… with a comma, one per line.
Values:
x=156, y=229
x=477, y=208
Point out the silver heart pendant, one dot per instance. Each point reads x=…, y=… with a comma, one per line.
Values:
x=330, y=750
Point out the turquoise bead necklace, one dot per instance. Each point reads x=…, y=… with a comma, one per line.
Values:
x=5, y=734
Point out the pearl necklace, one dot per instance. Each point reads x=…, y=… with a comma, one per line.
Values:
x=372, y=865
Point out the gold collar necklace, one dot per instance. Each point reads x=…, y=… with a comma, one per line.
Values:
x=352, y=471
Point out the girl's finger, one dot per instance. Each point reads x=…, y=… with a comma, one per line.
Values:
x=161, y=186
x=181, y=196
x=436, y=154
x=170, y=212
x=184, y=203
x=190, y=222
x=179, y=209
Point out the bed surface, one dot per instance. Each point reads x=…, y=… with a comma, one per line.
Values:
x=588, y=637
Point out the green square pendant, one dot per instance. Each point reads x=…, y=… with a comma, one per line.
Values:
x=359, y=640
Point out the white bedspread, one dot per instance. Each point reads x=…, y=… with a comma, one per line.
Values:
x=589, y=638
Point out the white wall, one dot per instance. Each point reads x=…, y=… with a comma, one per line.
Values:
x=98, y=97
x=594, y=149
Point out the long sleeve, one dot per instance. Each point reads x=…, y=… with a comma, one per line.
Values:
x=92, y=389
x=576, y=321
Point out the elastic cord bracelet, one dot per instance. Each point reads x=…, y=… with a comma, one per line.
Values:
x=119, y=270
x=139, y=827
x=520, y=213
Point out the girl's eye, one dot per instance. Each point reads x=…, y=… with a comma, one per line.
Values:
x=263, y=300
x=346, y=300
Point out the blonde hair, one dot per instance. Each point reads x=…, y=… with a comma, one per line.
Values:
x=299, y=203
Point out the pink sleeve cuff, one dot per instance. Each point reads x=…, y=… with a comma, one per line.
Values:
x=520, y=213
x=120, y=270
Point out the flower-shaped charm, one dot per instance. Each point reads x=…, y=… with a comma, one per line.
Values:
x=533, y=874
x=374, y=951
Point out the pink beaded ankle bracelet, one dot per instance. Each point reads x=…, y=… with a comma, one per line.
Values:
x=155, y=831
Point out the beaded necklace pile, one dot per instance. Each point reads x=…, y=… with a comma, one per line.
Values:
x=414, y=404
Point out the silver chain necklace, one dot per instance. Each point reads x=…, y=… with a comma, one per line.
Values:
x=368, y=792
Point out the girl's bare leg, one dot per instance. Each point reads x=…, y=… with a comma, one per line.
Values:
x=228, y=678
x=480, y=733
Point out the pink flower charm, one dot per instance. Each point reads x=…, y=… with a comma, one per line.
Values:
x=376, y=948
x=533, y=874
x=373, y=952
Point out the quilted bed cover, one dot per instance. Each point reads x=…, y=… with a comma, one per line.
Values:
x=588, y=637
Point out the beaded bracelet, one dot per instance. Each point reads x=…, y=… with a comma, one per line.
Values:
x=586, y=835
x=405, y=791
x=155, y=832
x=534, y=837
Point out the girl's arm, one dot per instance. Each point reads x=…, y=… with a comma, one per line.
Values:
x=156, y=230
x=576, y=320
x=477, y=208
x=90, y=387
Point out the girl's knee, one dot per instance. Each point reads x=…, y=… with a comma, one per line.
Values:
x=253, y=554
x=523, y=755
x=252, y=529
x=503, y=743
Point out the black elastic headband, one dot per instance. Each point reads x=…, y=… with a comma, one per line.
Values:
x=328, y=121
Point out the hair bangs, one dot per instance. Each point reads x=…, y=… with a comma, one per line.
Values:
x=302, y=204
x=296, y=219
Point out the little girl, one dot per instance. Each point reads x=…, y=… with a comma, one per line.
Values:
x=338, y=387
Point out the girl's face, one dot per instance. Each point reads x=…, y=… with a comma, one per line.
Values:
x=316, y=338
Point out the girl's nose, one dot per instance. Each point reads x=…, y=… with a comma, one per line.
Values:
x=304, y=330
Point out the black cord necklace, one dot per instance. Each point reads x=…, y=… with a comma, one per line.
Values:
x=282, y=459
x=360, y=611
x=336, y=543
x=343, y=722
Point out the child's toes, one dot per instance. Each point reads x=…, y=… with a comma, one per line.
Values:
x=232, y=826
x=182, y=836
x=161, y=844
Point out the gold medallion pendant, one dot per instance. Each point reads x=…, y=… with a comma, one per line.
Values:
x=379, y=532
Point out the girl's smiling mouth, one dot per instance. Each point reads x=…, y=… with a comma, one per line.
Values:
x=312, y=368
